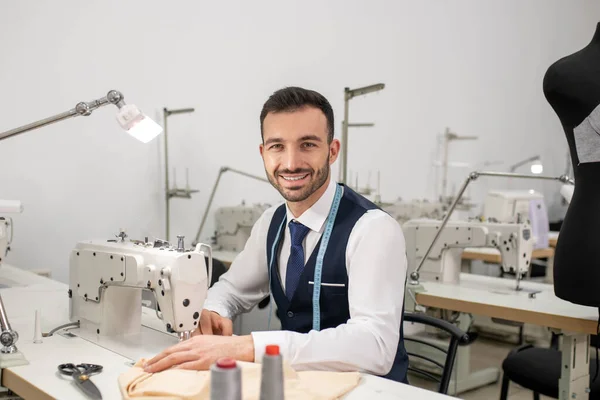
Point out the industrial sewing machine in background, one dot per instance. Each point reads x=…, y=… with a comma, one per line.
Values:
x=234, y=224
x=232, y=230
x=444, y=265
x=106, y=279
x=509, y=205
x=513, y=240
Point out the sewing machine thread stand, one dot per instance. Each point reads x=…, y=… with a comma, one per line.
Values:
x=175, y=191
x=180, y=244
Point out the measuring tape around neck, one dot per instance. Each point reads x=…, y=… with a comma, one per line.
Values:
x=321, y=255
x=319, y=264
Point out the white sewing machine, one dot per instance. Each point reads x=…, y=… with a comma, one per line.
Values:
x=234, y=224
x=509, y=205
x=106, y=278
x=513, y=240
x=443, y=264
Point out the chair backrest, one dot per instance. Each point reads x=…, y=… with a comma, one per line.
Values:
x=218, y=270
x=457, y=337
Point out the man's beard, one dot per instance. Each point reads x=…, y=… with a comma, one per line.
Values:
x=297, y=194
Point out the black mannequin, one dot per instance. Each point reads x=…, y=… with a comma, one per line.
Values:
x=572, y=87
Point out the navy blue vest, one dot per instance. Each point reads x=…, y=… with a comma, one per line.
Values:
x=296, y=315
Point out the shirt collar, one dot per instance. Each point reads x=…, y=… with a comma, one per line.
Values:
x=314, y=218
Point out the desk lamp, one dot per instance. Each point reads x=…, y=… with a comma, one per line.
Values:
x=536, y=165
x=131, y=119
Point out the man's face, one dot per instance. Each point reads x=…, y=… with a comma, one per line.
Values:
x=295, y=152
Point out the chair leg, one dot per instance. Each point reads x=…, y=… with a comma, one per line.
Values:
x=536, y=396
x=504, y=390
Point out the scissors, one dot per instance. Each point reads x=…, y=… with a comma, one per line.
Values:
x=81, y=373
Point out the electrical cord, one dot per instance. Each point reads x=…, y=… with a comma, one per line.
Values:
x=73, y=324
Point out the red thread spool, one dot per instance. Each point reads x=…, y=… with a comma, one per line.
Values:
x=272, y=350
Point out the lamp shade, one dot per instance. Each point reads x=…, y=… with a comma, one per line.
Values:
x=137, y=124
x=537, y=167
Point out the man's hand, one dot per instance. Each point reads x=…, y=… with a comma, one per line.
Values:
x=200, y=352
x=212, y=323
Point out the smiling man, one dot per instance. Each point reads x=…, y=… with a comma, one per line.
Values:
x=324, y=232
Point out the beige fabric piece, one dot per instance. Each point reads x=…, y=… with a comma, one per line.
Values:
x=178, y=384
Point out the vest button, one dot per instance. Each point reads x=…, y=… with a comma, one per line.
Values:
x=290, y=314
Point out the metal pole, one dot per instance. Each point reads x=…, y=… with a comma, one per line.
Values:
x=414, y=276
x=214, y=190
x=166, y=114
x=349, y=94
x=4, y=324
x=167, y=197
x=8, y=337
x=344, y=165
x=81, y=109
x=445, y=163
x=39, y=124
x=210, y=199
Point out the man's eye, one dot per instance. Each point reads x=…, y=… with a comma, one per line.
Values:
x=308, y=144
x=276, y=146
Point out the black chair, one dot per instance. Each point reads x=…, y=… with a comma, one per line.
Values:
x=538, y=369
x=457, y=337
x=218, y=270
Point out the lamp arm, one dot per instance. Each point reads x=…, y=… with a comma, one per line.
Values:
x=81, y=109
x=528, y=160
x=414, y=276
x=214, y=189
x=8, y=337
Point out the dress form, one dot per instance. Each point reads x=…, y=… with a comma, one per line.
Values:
x=572, y=87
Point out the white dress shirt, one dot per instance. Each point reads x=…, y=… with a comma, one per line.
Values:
x=376, y=266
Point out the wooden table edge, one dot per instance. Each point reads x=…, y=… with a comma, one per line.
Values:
x=547, y=252
x=569, y=324
x=22, y=387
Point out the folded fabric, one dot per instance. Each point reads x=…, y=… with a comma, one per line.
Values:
x=179, y=384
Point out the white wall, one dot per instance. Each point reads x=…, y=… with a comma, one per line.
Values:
x=475, y=66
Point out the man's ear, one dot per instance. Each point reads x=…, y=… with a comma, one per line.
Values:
x=261, y=148
x=334, y=150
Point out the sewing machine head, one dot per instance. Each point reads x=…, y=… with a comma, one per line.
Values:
x=515, y=205
x=234, y=224
x=513, y=240
x=106, y=279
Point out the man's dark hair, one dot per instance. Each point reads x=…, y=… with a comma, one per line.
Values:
x=290, y=99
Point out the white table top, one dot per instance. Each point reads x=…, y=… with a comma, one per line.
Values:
x=496, y=252
x=496, y=297
x=50, y=297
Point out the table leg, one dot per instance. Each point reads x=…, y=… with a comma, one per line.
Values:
x=574, y=379
x=550, y=270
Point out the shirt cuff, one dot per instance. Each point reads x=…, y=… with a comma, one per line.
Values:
x=264, y=338
x=217, y=307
